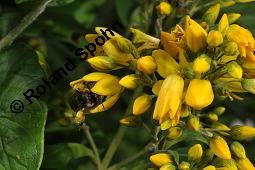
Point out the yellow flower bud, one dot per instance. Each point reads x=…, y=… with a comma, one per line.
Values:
x=160, y=159
x=129, y=81
x=239, y=132
x=238, y=150
x=141, y=104
x=174, y=132
x=184, y=165
x=166, y=65
x=79, y=117
x=231, y=48
x=193, y=123
x=167, y=167
x=185, y=112
x=223, y=25
x=199, y=94
x=210, y=167
x=212, y=116
x=195, y=152
x=146, y=64
x=130, y=121
x=248, y=85
x=156, y=87
x=211, y=14
x=164, y=8
x=214, y=38
x=220, y=126
x=227, y=3
x=244, y=1
x=189, y=72
x=244, y=164
x=202, y=64
x=233, y=17
x=169, y=98
x=235, y=70
x=220, y=147
x=102, y=63
x=219, y=110
x=195, y=35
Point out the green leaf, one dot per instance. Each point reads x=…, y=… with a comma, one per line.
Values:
x=59, y=155
x=21, y=134
x=175, y=155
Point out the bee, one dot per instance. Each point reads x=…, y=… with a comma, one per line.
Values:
x=84, y=100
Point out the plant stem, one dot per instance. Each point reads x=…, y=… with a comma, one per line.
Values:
x=93, y=145
x=128, y=160
x=24, y=23
x=120, y=133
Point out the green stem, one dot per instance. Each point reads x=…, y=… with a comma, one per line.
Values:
x=93, y=146
x=128, y=160
x=120, y=133
x=24, y=23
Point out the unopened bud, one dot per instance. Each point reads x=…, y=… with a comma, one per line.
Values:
x=220, y=126
x=129, y=81
x=168, y=167
x=141, y=104
x=249, y=85
x=156, y=87
x=102, y=63
x=146, y=64
x=214, y=38
x=160, y=159
x=184, y=165
x=220, y=147
x=195, y=152
x=223, y=24
x=231, y=48
x=239, y=132
x=164, y=8
x=210, y=167
x=193, y=123
x=174, y=132
x=235, y=70
x=238, y=150
x=202, y=64
x=185, y=112
x=244, y=164
x=211, y=14
x=212, y=116
x=219, y=110
x=130, y=121
x=227, y=164
x=233, y=17
x=189, y=73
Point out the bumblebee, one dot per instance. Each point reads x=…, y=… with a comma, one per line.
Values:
x=84, y=100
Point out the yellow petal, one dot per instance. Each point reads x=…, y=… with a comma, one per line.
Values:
x=95, y=76
x=141, y=104
x=220, y=147
x=156, y=87
x=244, y=164
x=129, y=81
x=146, y=64
x=102, y=63
x=223, y=25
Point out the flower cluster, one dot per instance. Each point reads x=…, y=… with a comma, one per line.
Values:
x=187, y=68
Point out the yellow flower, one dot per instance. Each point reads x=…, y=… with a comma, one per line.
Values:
x=220, y=147
x=223, y=25
x=193, y=123
x=239, y=132
x=214, y=38
x=166, y=65
x=233, y=17
x=211, y=14
x=202, y=64
x=146, y=64
x=169, y=98
x=244, y=164
x=235, y=70
x=199, y=94
x=245, y=41
x=195, y=152
x=164, y=8
x=210, y=167
x=160, y=159
x=174, y=132
x=195, y=35
x=173, y=41
x=157, y=86
x=103, y=85
x=129, y=81
x=238, y=150
x=141, y=104
x=102, y=63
